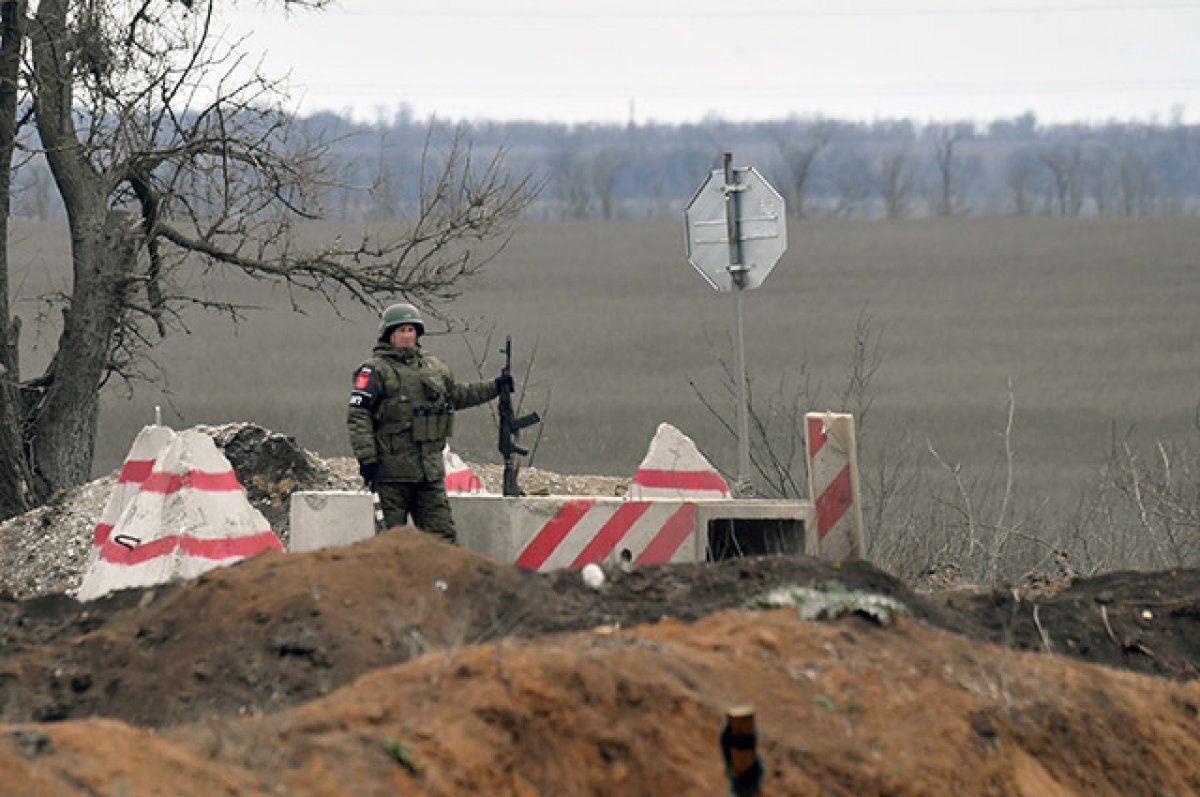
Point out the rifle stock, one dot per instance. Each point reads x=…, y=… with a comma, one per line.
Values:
x=511, y=425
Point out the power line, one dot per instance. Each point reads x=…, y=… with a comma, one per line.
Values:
x=741, y=91
x=741, y=12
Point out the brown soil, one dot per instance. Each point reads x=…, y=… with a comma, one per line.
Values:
x=402, y=665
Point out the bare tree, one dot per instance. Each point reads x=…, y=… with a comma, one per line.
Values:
x=607, y=164
x=1101, y=180
x=1135, y=185
x=166, y=179
x=1020, y=175
x=945, y=137
x=15, y=473
x=951, y=193
x=569, y=176
x=799, y=149
x=894, y=180
x=1064, y=165
x=852, y=180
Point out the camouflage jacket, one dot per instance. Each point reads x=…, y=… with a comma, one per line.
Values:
x=402, y=410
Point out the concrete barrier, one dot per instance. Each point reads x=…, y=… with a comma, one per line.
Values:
x=674, y=468
x=190, y=514
x=136, y=468
x=327, y=518
x=552, y=532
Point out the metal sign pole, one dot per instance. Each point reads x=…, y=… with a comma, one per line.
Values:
x=736, y=233
x=737, y=271
x=741, y=489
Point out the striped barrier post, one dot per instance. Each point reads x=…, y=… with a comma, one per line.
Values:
x=833, y=484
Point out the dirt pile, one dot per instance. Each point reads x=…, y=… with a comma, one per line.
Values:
x=405, y=665
x=295, y=626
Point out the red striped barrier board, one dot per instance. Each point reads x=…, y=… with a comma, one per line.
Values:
x=833, y=484
x=587, y=530
x=188, y=516
x=560, y=532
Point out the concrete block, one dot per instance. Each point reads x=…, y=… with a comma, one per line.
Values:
x=327, y=518
x=553, y=532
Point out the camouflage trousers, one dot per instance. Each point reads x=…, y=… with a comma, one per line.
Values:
x=424, y=502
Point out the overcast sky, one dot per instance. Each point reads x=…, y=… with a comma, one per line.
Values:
x=680, y=60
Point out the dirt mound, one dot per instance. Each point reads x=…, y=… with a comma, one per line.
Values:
x=404, y=665
x=293, y=627
x=1147, y=622
x=844, y=708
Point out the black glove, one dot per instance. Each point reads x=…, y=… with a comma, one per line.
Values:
x=369, y=472
x=504, y=382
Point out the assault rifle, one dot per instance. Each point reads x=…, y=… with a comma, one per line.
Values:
x=510, y=426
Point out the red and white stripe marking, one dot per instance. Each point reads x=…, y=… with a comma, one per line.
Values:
x=138, y=464
x=459, y=477
x=586, y=530
x=189, y=514
x=833, y=484
x=675, y=482
x=674, y=468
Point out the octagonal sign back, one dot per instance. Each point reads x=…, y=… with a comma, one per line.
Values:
x=762, y=228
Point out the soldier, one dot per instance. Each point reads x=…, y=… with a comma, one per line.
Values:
x=401, y=412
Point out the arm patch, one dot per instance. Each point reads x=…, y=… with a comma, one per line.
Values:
x=367, y=389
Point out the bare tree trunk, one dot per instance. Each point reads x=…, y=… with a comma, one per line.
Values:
x=1136, y=185
x=607, y=164
x=62, y=414
x=15, y=477
x=1064, y=169
x=60, y=409
x=1020, y=179
x=895, y=183
x=800, y=160
x=852, y=180
x=943, y=157
x=1101, y=182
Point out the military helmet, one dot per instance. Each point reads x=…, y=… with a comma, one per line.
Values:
x=398, y=314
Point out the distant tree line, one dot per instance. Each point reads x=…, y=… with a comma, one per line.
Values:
x=825, y=167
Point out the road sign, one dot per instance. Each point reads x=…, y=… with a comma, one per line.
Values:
x=760, y=236
x=736, y=233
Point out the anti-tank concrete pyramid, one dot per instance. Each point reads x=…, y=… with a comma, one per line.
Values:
x=189, y=515
x=675, y=468
x=138, y=465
